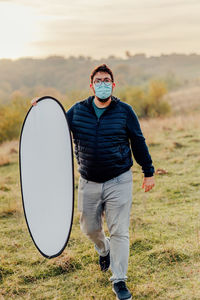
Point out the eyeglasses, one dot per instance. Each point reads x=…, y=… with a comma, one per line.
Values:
x=99, y=81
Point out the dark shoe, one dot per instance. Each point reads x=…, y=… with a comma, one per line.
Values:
x=104, y=262
x=121, y=291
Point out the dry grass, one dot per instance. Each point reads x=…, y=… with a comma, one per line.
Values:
x=4, y=160
x=164, y=229
x=8, y=152
x=185, y=99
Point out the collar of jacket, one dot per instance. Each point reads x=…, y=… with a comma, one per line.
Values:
x=114, y=101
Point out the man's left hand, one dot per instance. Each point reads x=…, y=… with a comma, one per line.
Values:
x=148, y=183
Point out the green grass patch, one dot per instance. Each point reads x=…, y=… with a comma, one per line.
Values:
x=164, y=260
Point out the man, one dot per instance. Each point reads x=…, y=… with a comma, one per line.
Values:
x=103, y=129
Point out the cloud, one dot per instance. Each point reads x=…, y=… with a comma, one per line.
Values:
x=88, y=26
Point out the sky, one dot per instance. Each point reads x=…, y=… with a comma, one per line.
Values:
x=98, y=28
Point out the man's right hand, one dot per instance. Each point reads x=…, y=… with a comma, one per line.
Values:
x=148, y=183
x=34, y=101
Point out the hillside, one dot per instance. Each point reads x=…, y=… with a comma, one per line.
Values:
x=67, y=74
x=185, y=100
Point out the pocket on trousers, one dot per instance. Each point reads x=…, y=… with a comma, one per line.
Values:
x=125, y=177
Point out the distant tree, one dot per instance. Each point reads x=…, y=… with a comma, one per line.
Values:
x=139, y=56
x=128, y=54
x=155, y=105
x=147, y=103
x=111, y=57
x=11, y=118
x=135, y=96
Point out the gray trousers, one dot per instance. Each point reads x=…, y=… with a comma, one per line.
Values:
x=112, y=198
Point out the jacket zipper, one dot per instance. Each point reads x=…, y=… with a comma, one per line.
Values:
x=98, y=121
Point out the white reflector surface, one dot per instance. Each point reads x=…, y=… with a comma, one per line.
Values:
x=46, y=173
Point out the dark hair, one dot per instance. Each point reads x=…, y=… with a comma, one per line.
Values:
x=101, y=68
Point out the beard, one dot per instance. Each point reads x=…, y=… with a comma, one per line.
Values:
x=103, y=100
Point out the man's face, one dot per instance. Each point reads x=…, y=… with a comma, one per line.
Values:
x=106, y=78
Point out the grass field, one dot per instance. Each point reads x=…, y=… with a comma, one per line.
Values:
x=164, y=229
x=184, y=99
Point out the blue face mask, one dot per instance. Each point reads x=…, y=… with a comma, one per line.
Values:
x=103, y=91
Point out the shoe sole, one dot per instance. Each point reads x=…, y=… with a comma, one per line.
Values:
x=118, y=298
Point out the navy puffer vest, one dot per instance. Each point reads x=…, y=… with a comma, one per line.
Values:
x=102, y=146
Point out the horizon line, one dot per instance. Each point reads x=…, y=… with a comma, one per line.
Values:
x=128, y=55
